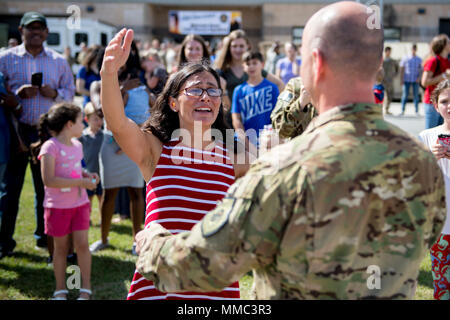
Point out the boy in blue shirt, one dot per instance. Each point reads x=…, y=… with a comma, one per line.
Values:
x=254, y=100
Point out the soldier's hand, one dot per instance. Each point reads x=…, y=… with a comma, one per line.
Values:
x=27, y=91
x=116, y=53
x=305, y=98
x=144, y=237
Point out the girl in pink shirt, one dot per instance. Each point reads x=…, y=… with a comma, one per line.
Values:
x=66, y=204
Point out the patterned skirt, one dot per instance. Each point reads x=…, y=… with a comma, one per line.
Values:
x=440, y=267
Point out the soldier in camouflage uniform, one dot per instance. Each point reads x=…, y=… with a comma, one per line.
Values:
x=347, y=210
x=293, y=111
x=390, y=67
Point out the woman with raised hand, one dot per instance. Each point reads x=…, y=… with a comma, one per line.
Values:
x=117, y=170
x=179, y=150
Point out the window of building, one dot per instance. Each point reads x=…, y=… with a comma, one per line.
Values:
x=104, y=39
x=53, y=39
x=81, y=37
x=297, y=34
x=392, y=34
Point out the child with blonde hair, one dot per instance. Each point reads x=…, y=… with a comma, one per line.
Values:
x=92, y=139
x=66, y=204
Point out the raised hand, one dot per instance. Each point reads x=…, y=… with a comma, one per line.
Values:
x=116, y=53
x=305, y=98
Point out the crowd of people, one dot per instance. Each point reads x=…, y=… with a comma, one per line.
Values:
x=136, y=131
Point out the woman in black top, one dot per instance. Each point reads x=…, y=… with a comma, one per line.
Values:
x=230, y=66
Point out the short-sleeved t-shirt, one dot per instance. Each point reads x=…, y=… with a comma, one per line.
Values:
x=255, y=104
x=67, y=165
x=88, y=77
x=430, y=65
x=285, y=65
x=91, y=149
x=233, y=81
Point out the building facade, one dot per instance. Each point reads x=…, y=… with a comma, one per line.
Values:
x=264, y=21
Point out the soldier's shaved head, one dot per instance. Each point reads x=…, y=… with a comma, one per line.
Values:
x=341, y=33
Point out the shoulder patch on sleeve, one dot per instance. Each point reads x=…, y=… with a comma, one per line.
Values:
x=286, y=96
x=216, y=220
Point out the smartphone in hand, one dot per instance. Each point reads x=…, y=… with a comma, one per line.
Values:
x=36, y=79
x=444, y=140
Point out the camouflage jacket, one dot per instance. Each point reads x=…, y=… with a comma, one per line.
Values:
x=288, y=117
x=347, y=210
x=390, y=67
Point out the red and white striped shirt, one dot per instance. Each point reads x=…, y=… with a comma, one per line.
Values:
x=186, y=185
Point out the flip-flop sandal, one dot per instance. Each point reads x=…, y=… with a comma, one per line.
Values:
x=89, y=292
x=60, y=292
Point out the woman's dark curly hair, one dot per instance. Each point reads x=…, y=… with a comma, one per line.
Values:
x=163, y=120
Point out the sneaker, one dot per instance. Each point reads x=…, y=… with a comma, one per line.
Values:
x=133, y=250
x=98, y=245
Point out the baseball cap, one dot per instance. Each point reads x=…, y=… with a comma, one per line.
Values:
x=32, y=16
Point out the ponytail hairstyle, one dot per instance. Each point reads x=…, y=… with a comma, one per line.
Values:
x=52, y=123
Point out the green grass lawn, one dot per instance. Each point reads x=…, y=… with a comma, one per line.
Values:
x=26, y=276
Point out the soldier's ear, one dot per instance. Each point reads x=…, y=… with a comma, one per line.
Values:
x=318, y=64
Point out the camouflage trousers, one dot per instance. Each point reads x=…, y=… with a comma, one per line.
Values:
x=389, y=90
x=440, y=267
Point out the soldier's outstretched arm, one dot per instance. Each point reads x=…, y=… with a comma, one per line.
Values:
x=293, y=112
x=241, y=233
